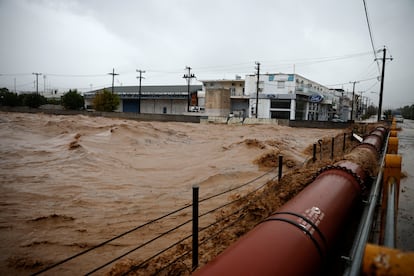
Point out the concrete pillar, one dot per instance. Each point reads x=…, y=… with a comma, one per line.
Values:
x=292, y=109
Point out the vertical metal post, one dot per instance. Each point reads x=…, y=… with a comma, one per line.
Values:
x=314, y=152
x=333, y=148
x=320, y=148
x=195, y=227
x=344, y=144
x=280, y=167
x=390, y=215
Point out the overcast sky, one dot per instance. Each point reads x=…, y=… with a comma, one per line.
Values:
x=76, y=43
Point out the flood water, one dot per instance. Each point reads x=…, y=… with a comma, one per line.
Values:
x=70, y=182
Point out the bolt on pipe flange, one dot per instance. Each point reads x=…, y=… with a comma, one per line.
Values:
x=358, y=179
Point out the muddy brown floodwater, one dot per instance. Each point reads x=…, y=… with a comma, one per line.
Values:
x=70, y=182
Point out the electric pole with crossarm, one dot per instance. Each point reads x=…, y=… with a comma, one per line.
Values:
x=384, y=58
x=37, y=81
x=188, y=76
x=140, y=77
x=113, y=78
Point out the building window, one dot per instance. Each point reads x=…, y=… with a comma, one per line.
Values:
x=280, y=114
x=280, y=104
x=280, y=84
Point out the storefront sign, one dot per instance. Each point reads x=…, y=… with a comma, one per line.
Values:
x=316, y=98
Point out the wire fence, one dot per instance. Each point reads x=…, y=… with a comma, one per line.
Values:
x=236, y=215
x=158, y=219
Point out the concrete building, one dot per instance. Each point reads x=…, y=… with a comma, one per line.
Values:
x=225, y=97
x=168, y=99
x=290, y=96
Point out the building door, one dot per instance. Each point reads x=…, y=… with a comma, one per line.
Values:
x=130, y=105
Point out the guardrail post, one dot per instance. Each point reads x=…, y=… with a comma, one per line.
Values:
x=390, y=198
x=195, y=227
x=280, y=167
x=333, y=148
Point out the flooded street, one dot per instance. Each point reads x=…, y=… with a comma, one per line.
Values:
x=70, y=182
x=405, y=224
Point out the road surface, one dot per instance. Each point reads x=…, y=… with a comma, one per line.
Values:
x=405, y=224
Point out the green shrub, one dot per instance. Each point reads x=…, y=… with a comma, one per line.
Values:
x=73, y=100
x=106, y=101
x=33, y=100
x=9, y=98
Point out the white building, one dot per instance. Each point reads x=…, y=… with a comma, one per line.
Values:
x=224, y=97
x=153, y=99
x=290, y=96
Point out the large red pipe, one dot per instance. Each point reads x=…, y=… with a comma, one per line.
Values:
x=296, y=239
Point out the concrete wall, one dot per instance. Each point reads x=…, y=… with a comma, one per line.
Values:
x=264, y=108
x=156, y=106
x=179, y=118
x=132, y=116
x=319, y=124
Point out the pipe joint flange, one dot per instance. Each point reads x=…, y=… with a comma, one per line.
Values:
x=368, y=145
x=359, y=180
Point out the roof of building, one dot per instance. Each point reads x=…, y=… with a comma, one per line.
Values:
x=149, y=90
x=223, y=80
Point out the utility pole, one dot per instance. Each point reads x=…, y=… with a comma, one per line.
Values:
x=353, y=98
x=113, y=78
x=37, y=81
x=188, y=76
x=382, y=82
x=140, y=77
x=257, y=87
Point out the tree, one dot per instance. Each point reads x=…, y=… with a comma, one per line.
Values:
x=408, y=111
x=9, y=98
x=73, y=100
x=371, y=111
x=105, y=101
x=33, y=100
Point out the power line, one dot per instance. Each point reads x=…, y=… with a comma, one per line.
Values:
x=76, y=76
x=299, y=62
x=370, y=35
x=373, y=78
